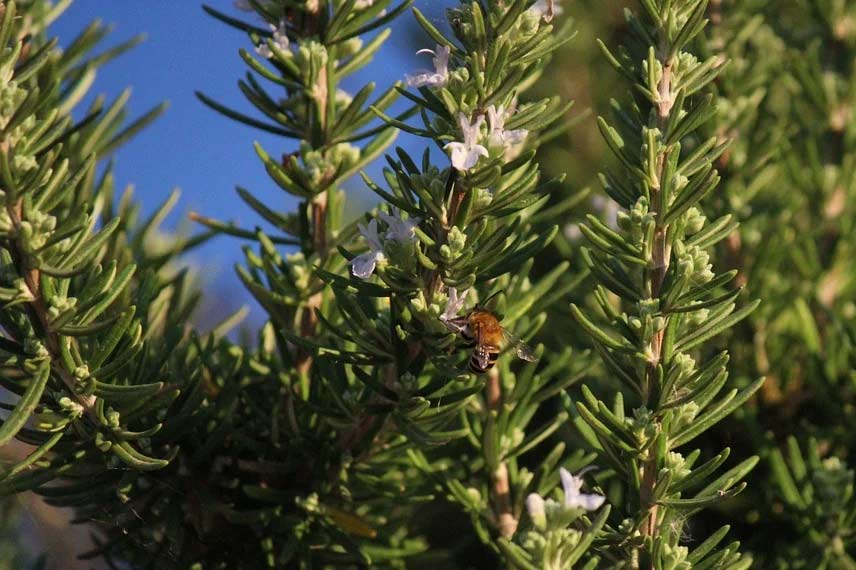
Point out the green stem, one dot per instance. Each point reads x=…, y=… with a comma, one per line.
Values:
x=661, y=258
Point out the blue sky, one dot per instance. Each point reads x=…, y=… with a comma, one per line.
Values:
x=192, y=147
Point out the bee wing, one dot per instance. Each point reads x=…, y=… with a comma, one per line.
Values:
x=521, y=349
x=456, y=325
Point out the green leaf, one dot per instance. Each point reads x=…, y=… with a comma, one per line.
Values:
x=25, y=407
x=432, y=31
x=702, y=502
x=6, y=28
x=713, y=327
x=698, y=188
x=382, y=21
x=127, y=394
x=133, y=458
x=706, y=547
x=102, y=303
x=234, y=22
x=589, y=536
x=370, y=152
x=133, y=129
x=715, y=415
x=519, y=557
x=700, y=474
x=784, y=480
x=729, y=478
x=35, y=456
x=247, y=120
x=596, y=332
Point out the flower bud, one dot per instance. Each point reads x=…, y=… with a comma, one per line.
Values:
x=535, y=508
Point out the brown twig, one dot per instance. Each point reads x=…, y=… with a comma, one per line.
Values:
x=308, y=317
x=715, y=11
x=38, y=311
x=505, y=520
x=661, y=257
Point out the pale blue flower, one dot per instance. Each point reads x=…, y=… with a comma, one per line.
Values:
x=439, y=76
x=400, y=230
x=280, y=39
x=561, y=514
x=465, y=155
x=499, y=136
x=573, y=498
x=547, y=9
x=364, y=264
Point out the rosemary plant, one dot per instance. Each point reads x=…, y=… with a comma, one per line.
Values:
x=391, y=412
x=661, y=298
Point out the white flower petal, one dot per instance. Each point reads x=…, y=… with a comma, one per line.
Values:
x=441, y=60
x=279, y=35
x=400, y=229
x=457, y=153
x=515, y=137
x=573, y=498
x=547, y=9
x=496, y=117
x=500, y=138
x=454, y=305
x=473, y=156
x=264, y=50
x=471, y=131
x=425, y=78
x=440, y=74
x=465, y=155
x=570, y=484
x=364, y=264
x=588, y=502
x=370, y=235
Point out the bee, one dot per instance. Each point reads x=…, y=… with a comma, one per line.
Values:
x=483, y=332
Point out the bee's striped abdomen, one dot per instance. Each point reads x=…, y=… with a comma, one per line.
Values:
x=475, y=365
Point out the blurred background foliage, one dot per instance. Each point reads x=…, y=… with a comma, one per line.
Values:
x=790, y=178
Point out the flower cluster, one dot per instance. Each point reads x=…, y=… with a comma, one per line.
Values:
x=399, y=230
x=507, y=142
